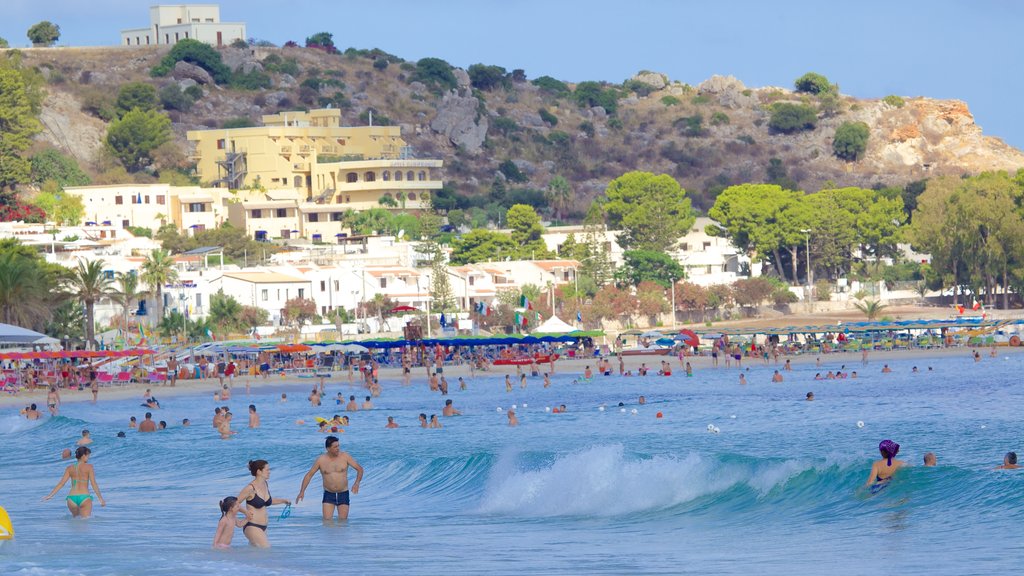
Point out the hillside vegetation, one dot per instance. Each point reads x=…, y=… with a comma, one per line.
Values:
x=504, y=136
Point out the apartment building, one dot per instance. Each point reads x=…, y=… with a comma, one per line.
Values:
x=169, y=24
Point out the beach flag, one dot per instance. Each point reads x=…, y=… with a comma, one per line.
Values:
x=488, y=312
x=524, y=302
x=959, y=309
x=210, y=334
x=255, y=333
x=976, y=305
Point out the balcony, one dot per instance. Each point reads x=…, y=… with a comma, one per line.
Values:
x=390, y=185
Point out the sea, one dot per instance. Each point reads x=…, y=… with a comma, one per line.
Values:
x=730, y=479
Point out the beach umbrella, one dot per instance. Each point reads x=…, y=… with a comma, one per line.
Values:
x=689, y=337
x=404, y=308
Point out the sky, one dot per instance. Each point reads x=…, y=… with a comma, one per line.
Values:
x=948, y=49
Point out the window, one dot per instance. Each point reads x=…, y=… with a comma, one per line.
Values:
x=161, y=199
x=337, y=284
x=423, y=174
x=256, y=214
x=351, y=177
x=387, y=175
x=118, y=200
x=323, y=310
x=195, y=19
x=685, y=246
x=472, y=280
x=220, y=144
x=707, y=245
x=565, y=275
x=323, y=286
x=369, y=176
x=302, y=292
x=266, y=295
x=147, y=198
x=210, y=20
x=282, y=212
x=108, y=274
x=199, y=300
x=278, y=293
x=708, y=270
x=314, y=217
x=409, y=176
x=398, y=175
x=347, y=198
x=197, y=207
x=383, y=282
x=336, y=216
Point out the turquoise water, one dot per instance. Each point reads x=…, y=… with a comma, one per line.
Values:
x=777, y=491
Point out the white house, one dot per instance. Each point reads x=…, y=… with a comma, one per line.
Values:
x=169, y=24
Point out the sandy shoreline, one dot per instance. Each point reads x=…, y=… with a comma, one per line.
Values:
x=301, y=386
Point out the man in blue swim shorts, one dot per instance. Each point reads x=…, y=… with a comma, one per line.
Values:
x=333, y=467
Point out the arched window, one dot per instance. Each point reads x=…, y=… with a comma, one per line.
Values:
x=411, y=195
x=398, y=175
x=387, y=175
x=423, y=174
x=409, y=175
x=369, y=177
x=298, y=181
x=351, y=177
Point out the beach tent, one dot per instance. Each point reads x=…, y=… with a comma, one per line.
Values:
x=10, y=334
x=553, y=325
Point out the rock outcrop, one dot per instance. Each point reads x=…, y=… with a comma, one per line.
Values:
x=183, y=70
x=458, y=119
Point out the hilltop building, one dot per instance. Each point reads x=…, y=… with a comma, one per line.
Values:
x=169, y=24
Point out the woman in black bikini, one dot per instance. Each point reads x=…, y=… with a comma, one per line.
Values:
x=257, y=498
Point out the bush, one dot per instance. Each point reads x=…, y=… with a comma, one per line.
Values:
x=823, y=290
x=788, y=118
x=894, y=101
x=240, y=122
x=512, y=172
x=44, y=33
x=700, y=99
x=100, y=103
x=640, y=88
x=813, y=83
x=381, y=64
x=548, y=117
x=484, y=77
x=552, y=85
x=587, y=128
x=194, y=92
x=136, y=95
x=435, y=73
x=136, y=135
x=239, y=43
x=589, y=94
x=851, y=140
x=275, y=64
x=322, y=41
x=505, y=126
x=253, y=80
x=53, y=165
x=719, y=119
x=746, y=139
x=194, y=52
x=692, y=126
x=670, y=100
x=173, y=98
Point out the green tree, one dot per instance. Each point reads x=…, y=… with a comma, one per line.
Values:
x=18, y=124
x=127, y=294
x=194, y=52
x=23, y=286
x=89, y=283
x=596, y=264
x=527, y=232
x=652, y=211
x=788, y=118
x=871, y=308
x=134, y=137
x=813, y=83
x=44, y=33
x=157, y=271
x=136, y=95
x=298, y=311
x=552, y=86
x=253, y=316
x=649, y=266
x=590, y=94
x=481, y=245
x=512, y=172
x=51, y=164
x=4, y=43
x=442, y=296
x=323, y=41
x=60, y=208
x=172, y=98
x=851, y=140
x=435, y=73
x=484, y=77
x=559, y=193
x=66, y=322
x=225, y=313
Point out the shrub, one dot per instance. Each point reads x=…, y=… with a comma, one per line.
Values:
x=194, y=92
x=670, y=100
x=823, y=290
x=100, y=103
x=435, y=73
x=484, y=77
x=240, y=122
x=253, y=80
x=504, y=126
x=788, y=118
x=322, y=41
x=692, y=126
x=173, y=98
x=381, y=64
x=275, y=64
x=587, y=128
x=53, y=165
x=194, y=52
x=552, y=85
x=719, y=119
x=239, y=43
x=640, y=88
x=589, y=94
x=700, y=99
x=512, y=172
x=813, y=83
x=851, y=140
x=746, y=139
x=136, y=95
x=894, y=101
x=548, y=117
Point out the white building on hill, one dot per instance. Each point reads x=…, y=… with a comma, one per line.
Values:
x=168, y=24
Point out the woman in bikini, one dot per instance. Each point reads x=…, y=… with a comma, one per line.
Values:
x=81, y=474
x=883, y=470
x=257, y=498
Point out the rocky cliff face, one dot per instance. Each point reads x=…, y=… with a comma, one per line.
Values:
x=654, y=128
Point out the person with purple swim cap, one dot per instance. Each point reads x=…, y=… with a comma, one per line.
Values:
x=883, y=470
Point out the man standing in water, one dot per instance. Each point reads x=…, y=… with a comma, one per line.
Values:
x=333, y=467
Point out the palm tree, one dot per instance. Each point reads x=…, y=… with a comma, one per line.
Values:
x=559, y=195
x=89, y=283
x=870, y=308
x=66, y=322
x=127, y=293
x=158, y=270
x=23, y=290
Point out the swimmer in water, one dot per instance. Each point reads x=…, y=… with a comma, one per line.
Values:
x=743, y=379
x=1009, y=462
x=883, y=470
x=886, y=369
x=587, y=373
x=512, y=420
x=391, y=423
x=929, y=459
x=229, y=520
x=810, y=396
x=333, y=466
x=508, y=383
x=547, y=380
x=81, y=474
x=449, y=410
x=777, y=377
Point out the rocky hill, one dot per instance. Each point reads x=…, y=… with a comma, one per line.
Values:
x=707, y=136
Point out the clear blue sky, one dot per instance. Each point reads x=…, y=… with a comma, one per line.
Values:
x=969, y=50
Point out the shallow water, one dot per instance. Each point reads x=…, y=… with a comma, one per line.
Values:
x=777, y=491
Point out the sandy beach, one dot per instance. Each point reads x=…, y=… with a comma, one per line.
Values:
x=392, y=375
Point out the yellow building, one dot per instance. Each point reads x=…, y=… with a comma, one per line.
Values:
x=323, y=161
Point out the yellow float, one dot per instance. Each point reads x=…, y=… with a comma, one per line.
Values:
x=6, y=528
